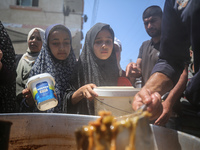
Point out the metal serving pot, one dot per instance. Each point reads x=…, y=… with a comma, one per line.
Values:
x=43, y=131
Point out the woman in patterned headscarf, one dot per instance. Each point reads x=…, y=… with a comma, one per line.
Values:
x=34, y=40
x=97, y=64
x=7, y=73
x=56, y=58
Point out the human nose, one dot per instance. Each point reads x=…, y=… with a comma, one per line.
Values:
x=33, y=40
x=103, y=44
x=61, y=47
x=149, y=25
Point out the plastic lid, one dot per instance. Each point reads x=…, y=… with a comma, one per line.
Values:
x=39, y=76
x=116, y=91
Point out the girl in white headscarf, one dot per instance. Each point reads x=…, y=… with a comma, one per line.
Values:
x=122, y=80
x=118, y=49
x=34, y=40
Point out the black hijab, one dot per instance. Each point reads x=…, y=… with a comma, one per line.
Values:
x=7, y=74
x=91, y=69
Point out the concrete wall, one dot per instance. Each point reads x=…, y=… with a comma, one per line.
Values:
x=23, y=19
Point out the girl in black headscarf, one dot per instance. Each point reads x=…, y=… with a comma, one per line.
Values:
x=97, y=66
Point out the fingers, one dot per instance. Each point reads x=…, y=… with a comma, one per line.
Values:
x=88, y=91
x=155, y=108
x=137, y=102
x=128, y=67
x=145, y=95
x=26, y=92
x=132, y=70
x=152, y=100
x=162, y=120
x=28, y=96
x=142, y=97
x=164, y=117
x=88, y=95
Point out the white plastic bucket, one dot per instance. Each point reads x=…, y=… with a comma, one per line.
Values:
x=116, y=99
x=43, y=91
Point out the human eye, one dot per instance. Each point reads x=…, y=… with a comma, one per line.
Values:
x=108, y=42
x=31, y=38
x=38, y=38
x=55, y=43
x=67, y=43
x=145, y=23
x=98, y=41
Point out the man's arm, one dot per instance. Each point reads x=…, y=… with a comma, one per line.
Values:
x=173, y=96
x=157, y=85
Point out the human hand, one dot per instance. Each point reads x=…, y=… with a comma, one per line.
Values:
x=132, y=70
x=87, y=91
x=28, y=96
x=164, y=117
x=1, y=56
x=152, y=101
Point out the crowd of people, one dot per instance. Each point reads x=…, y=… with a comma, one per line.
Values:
x=168, y=74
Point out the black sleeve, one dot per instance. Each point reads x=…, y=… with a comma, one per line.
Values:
x=192, y=92
x=68, y=107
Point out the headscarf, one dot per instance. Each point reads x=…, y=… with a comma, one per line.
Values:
x=91, y=69
x=118, y=43
x=7, y=73
x=29, y=56
x=25, y=64
x=61, y=70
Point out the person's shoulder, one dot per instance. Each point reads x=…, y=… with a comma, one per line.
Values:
x=146, y=42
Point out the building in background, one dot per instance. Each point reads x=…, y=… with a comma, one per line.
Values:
x=20, y=16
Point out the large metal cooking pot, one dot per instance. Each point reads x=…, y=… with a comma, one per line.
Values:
x=43, y=131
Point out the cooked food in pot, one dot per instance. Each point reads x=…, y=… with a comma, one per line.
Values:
x=110, y=133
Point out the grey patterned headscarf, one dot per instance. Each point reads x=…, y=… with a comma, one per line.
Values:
x=60, y=69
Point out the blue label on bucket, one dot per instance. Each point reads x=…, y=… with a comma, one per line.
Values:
x=43, y=92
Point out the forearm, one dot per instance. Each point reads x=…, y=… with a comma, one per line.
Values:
x=158, y=82
x=76, y=97
x=178, y=89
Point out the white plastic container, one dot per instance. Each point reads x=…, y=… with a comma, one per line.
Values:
x=116, y=99
x=43, y=91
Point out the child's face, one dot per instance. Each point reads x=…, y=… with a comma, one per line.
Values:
x=103, y=44
x=59, y=44
x=35, y=42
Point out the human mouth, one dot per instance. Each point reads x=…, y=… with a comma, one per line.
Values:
x=151, y=30
x=33, y=46
x=61, y=53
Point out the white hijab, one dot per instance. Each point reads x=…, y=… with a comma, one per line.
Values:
x=118, y=43
x=29, y=56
